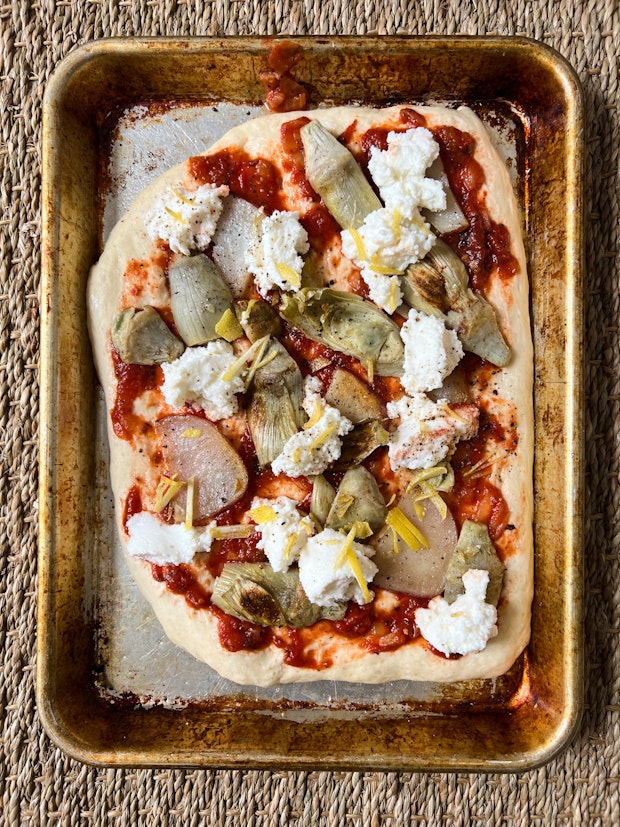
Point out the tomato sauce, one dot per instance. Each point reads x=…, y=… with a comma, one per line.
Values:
x=133, y=504
x=180, y=579
x=131, y=382
x=284, y=93
x=254, y=179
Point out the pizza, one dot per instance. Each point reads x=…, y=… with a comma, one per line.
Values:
x=315, y=350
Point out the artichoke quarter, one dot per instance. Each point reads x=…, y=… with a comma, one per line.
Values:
x=142, y=337
x=474, y=550
x=274, y=412
x=199, y=297
x=439, y=285
x=349, y=324
x=256, y=593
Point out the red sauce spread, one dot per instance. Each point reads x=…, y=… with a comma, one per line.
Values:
x=254, y=179
x=182, y=580
x=485, y=244
x=131, y=381
x=236, y=635
x=284, y=93
x=133, y=504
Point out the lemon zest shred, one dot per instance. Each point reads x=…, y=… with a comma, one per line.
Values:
x=386, y=271
x=481, y=465
x=231, y=532
x=323, y=436
x=362, y=529
x=289, y=545
x=406, y=529
x=370, y=370
x=173, y=214
x=359, y=243
x=453, y=413
x=257, y=360
x=297, y=454
x=419, y=509
x=396, y=228
x=317, y=413
x=262, y=514
x=182, y=198
x=240, y=362
x=357, y=573
x=228, y=327
x=344, y=551
x=393, y=303
x=287, y=274
x=191, y=433
x=189, y=508
x=395, y=548
x=166, y=491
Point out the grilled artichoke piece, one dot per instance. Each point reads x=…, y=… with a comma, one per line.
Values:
x=198, y=296
x=358, y=500
x=352, y=397
x=323, y=494
x=337, y=177
x=142, y=337
x=451, y=219
x=474, y=550
x=275, y=412
x=347, y=323
x=258, y=319
x=439, y=285
x=361, y=442
x=258, y=594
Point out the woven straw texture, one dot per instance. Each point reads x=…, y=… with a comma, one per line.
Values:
x=38, y=784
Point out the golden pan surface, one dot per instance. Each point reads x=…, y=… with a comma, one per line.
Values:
x=94, y=700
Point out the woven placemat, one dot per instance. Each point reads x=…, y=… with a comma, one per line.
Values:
x=38, y=784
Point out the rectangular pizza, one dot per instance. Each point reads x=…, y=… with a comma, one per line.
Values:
x=315, y=350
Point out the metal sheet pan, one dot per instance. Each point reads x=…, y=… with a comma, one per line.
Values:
x=110, y=697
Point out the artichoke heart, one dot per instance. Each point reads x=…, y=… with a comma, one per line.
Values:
x=199, y=297
x=256, y=593
x=258, y=319
x=439, y=285
x=358, y=500
x=349, y=324
x=359, y=443
x=323, y=494
x=353, y=398
x=337, y=177
x=474, y=550
x=274, y=412
x=142, y=337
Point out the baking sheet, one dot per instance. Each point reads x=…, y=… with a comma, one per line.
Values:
x=100, y=698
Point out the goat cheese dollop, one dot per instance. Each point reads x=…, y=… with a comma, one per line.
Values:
x=400, y=172
x=463, y=626
x=196, y=376
x=284, y=530
x=327, y=579
x=431, y=352
x=274, y=255
x=162, y=543
x=311, y=450
x=428, y=431
x=186, y=219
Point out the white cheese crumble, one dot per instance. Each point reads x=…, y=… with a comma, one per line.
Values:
x=186, y=219
x=428, y=431
x=463, y=626
x=387, y=241
x=196, y=376
x=274, y=255
x=284, y=534
x=310, y=451
x=158, y=542
x=399, y=172
x=327, y=583
x=431, y=352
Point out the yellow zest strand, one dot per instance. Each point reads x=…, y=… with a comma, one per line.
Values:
x=290, y=544
x=257, y=360
x=362, y=529
x=385, y=271
x=287, y=274
x=239, y=364
x=191, y=433
x=176, y=215
x=357, y=573
x=396, y=224
x=317, y=413
x=183, y=198
x=420, y=511
x=370, y=370
x=189, y=508
x=359, y=243
x=393, y=297
x=228, y=327
x=167, y=490
x=344, y=551
x=231, y=532
x=395, y=547
x=406, y=530
x=453, y=413
x=323, y=436
x=262, y=514
x=480, y=466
